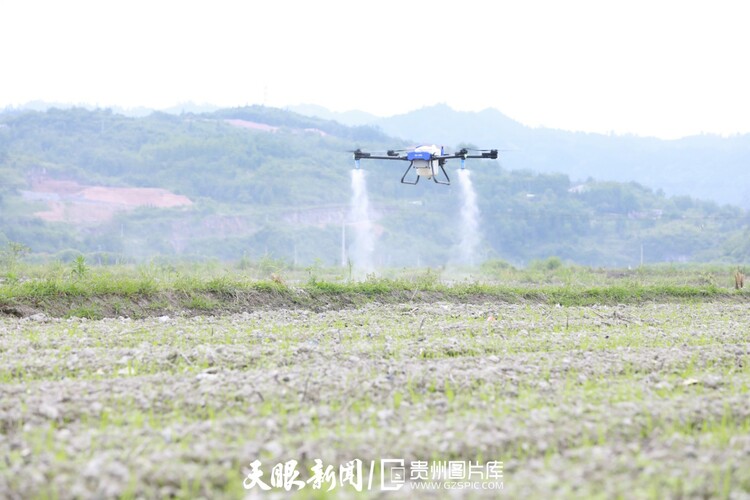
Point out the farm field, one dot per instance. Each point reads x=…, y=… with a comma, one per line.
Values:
x=647, y=399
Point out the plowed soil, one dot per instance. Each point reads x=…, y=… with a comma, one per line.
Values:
x=647, y=400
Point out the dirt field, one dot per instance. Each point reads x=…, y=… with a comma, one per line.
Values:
x=647, y=400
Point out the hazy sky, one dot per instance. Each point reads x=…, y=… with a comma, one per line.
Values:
x=652, y=67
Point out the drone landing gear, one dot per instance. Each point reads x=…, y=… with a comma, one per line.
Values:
x=447, y=181
x=434, y=176
x=403, y=177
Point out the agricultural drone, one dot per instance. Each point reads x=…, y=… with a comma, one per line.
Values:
x=427, y=161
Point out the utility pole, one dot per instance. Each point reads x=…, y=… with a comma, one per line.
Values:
x=641, y=254
x=343, y=243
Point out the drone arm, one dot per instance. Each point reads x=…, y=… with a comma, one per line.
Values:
x=378, y=157
x=491, y=154
x=390, y=155
x=464, y=154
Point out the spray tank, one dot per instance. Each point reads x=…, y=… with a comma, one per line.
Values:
x=422, y=161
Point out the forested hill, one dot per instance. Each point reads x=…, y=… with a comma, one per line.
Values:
x=260, y=181
x=705, y=166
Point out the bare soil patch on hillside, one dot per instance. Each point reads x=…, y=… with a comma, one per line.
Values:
x=70, y=201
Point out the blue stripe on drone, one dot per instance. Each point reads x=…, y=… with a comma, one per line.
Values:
x=418, y=155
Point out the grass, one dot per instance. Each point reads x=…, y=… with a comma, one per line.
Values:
x=119, y=290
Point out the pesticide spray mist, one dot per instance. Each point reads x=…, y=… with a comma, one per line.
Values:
x=361, y=249
x=470, y=235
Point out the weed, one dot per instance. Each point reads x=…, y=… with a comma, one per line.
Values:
x=80, y=268
x=11, y=256
x=201, y=303
x=88, y=312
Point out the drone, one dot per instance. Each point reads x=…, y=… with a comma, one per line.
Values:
x=426, y=161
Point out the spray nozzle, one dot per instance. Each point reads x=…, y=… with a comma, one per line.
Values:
x=356, y=163
x=463, y=163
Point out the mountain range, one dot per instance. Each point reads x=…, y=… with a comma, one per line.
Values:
x=705, y=166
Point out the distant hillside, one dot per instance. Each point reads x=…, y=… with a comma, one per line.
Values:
x=706, y=166
x=351, y=118
x=257, y=181
x=140, y=111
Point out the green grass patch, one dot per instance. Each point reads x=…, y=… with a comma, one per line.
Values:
x=155, y=289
